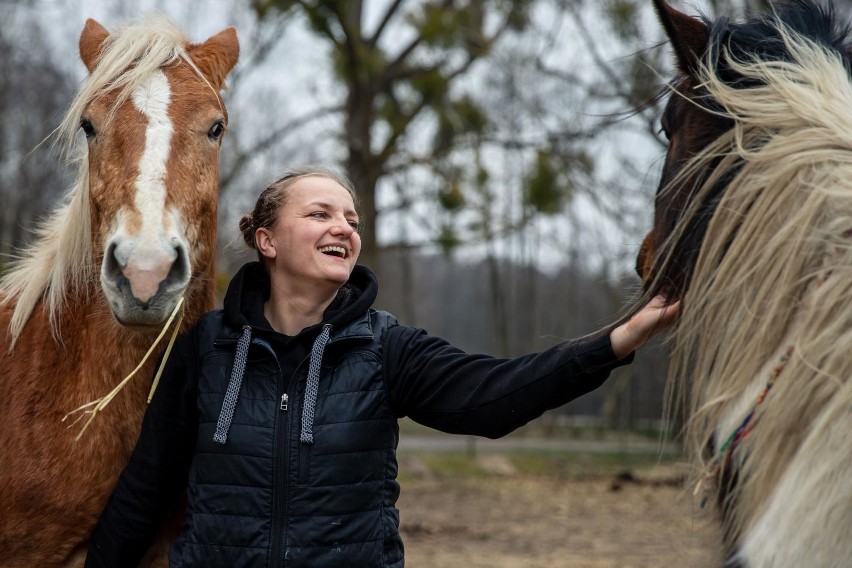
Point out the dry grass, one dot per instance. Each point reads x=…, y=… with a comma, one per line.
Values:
x=524, y=521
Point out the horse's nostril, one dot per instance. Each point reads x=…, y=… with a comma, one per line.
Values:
x=179, y=272
x=112, y=267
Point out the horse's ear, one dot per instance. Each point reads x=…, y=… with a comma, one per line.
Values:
x=689, y=36
x=217, y=56
x=91, y=41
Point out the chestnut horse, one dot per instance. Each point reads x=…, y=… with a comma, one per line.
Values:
x=753, y=232
x=142, y=214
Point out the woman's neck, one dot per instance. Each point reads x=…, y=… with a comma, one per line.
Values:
x=290, y=311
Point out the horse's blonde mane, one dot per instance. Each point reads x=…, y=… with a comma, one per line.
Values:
x=59, y=261
x=776, y=258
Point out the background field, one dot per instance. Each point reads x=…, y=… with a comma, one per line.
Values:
x=526, y=501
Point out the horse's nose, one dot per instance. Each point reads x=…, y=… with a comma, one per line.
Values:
x=145, y=270
x=644, y=260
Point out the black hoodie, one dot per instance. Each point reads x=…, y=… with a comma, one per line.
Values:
x=425, y=378
x=249, y=290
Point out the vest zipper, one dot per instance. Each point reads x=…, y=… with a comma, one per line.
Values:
x=281, y=485
x=281, y=471
x=282, y=475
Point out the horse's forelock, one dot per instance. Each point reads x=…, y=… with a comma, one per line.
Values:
x=765, y=39
x=770, y=40
x=129, y=56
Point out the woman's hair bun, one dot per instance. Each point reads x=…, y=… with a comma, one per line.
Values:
x=247, y=229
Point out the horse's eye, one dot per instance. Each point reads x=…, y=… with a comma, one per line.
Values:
x=665, y=131
x=216, y=130
x=87, y=127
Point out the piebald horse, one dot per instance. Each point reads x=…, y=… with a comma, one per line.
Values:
x=753, y=232
x=84, y=302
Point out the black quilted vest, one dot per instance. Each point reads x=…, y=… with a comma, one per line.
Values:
x=266, y=499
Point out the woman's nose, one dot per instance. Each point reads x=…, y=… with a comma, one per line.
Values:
x=342, y=227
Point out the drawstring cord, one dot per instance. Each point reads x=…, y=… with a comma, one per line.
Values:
x=307, y=434
x=233, y=392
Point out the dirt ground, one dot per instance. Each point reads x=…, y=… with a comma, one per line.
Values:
x=524, y=521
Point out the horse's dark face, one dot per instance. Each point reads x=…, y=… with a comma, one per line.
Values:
x=691, y=123
x=689, y=129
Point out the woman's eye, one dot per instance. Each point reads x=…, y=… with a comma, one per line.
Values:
x=318, y=214
x=354, y=224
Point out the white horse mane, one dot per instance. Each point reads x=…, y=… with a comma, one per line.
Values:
x=59, y=260
x=779, y=237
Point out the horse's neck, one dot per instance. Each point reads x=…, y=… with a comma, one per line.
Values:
x=92, y=351
x=755, y=387
x=92, y=347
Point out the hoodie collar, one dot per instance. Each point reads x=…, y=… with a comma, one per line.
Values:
x=249, y=290
x=244, y=308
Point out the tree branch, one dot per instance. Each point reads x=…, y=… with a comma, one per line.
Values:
x=389, y=14
x=243, y=157
x=319, y=23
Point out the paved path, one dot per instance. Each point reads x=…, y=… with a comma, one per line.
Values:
x=449, y=443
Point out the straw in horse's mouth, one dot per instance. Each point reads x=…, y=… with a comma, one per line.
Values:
x=92, y=408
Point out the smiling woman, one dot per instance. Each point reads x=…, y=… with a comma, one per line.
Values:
x=279, y=412
x=311, y=219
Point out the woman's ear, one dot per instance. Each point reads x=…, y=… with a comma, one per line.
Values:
x=264, y=243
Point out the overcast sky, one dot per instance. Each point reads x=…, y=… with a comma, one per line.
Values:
x=296, y=79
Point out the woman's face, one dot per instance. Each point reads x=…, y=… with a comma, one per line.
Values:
x=315, y=236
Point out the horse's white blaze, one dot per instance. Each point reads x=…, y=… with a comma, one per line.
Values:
x=146, y=257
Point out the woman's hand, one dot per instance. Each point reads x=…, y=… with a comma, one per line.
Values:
x=656, y=316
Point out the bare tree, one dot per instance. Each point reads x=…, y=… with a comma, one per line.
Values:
x=394, y=69
x=33, y=92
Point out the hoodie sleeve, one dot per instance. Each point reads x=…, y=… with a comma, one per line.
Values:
x=443, y=387
x=149, y=488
